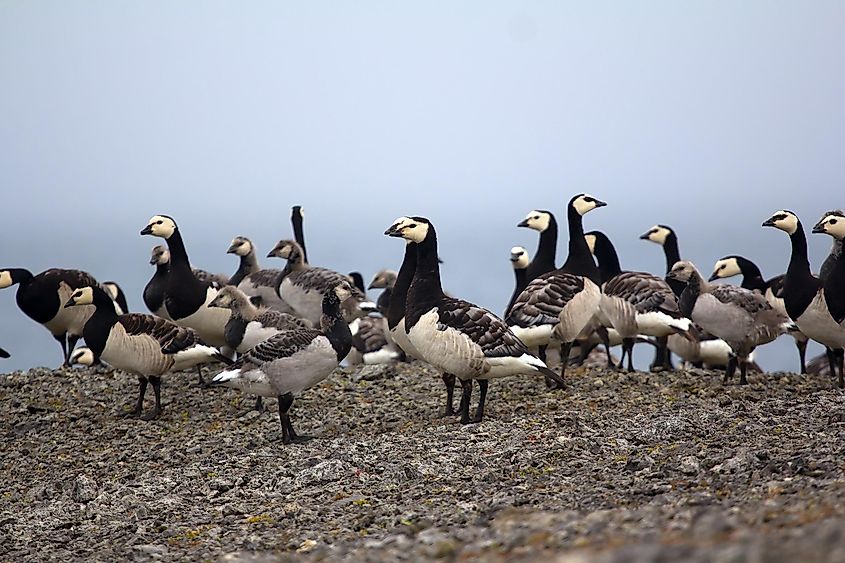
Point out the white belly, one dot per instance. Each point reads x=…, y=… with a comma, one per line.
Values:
x=254, y=334
x=449, y=350
x=69, y=319
x=817, y=324
x=399, y=336
x=209, y=322
x=139, y=354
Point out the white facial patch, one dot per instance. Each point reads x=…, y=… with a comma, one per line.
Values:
x=538, y=220
x=83, y=296
x=5, y=279
x=519, y=258
x=788, y=224
x=658, y=234
x=582, y=206
x=162, y=226
x=82, y=356
x=834, y=225
x=726, y=268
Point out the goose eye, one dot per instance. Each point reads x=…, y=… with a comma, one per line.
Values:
x=412, y=226
x=722, y=267
x=833, y=221
x=159, y=222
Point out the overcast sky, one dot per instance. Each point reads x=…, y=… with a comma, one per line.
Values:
x=707, y=116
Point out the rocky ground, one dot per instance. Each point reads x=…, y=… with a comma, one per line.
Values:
x=619, y=467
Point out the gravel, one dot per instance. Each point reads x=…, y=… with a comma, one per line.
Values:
x=619, y=467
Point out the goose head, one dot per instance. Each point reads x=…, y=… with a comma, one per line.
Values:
x=833, y=224
x=683, y=270
x=584, y=203
x=383, y=279
x=159, y=256
x=225, y=298
x=519, y=258
x=657, y=234
x=6, y=279
x=537, y=220
x=785, y=220
x=160, y=226
x=241, y=246
x=83, y=357
x=342, y=291
x=287, y=250
x=725, y=268
x=413, y=229
x=82, y=296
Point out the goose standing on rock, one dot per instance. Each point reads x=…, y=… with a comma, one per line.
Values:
x=752, y=279
x=41, y=297
x=248, y=263
x=558, y=305
x=833, y=280
x=741, y=317
x=519, y=262
x=304, y=286
x=186, y=298
x=295, y=360
x=804, y=294
x=454, y=335
x=634, y=303
x=145, y=345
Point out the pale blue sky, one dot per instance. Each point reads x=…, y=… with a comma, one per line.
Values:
x=707, y=116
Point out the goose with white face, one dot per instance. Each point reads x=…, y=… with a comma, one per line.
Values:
x=6, y=279
x=832, y=224
x=241, y=246
x=536, y=220
x=585, y=203
x=519, y=258
x=784, y=220
x=82, y=296
x=657, y=234
x=681, y=271
x=409, y=228
x=726, y=268
x=159, y=256
x=284, y=250
x=160, y=226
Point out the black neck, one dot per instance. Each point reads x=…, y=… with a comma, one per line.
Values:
x=20, y=275
x=396, y=310
x=248, y=265
x=799, y=284
x=162, y=269
x=521, y=280
x=670, y=250
x=334, y=327
x=96, y=330
x=544, y=259
x=579, y=262
x=178, y=254
x=607, y=257
x=298, y=232
x=425, y=288
x=686, y=302
x=752, y=278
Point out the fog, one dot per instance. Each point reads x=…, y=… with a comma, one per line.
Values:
x=707, y=116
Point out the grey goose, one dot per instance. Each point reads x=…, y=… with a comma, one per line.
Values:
x=243, y=248
x=558, y=305
x=454, y=335
x=294, y=360
x=752, y=278
x=384, y=280
x=634, y=303
x=41, y=297
x=155, y=288
x=741, y=317
x=185, y=296
x=145, y=345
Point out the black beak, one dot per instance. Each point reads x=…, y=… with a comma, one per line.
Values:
x=393, y=231
x=148, y=230
x=523, y=223
x=371, y=286
x=644, y=236
x=232, y=249
x=70, y=303
x=599, y=203
x=818, y=228
x=272, y=254
x=770, y=222
x=671, y=275
x=713, y=277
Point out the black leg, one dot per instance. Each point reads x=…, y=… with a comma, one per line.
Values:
x=839, y=356
x=659, y=357
x=289, y=435
x=200, y=381
x=466, y=395
x=802, y=354
x=831, y=360
x=628, y=348
x=156, y=382
x=62, y=338
x=449, y=381
x=730, y=369
x=565, y=349
x=479, y=411
x=259, y=404
x=72, y=339
x=139, y=405
x=605, y=339
x=743, y=368
x=663, y=346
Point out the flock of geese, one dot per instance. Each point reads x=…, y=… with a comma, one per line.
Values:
x=290, y=328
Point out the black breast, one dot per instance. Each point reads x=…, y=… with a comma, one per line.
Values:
x=234, y=331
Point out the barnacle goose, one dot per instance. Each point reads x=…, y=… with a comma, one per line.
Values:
x=186, y=297
x=84, y=356
x=41, y=297
x=634, y=303
x=155, y=288
x=454, y=335
x=804, y=294
x=519, y=262
x=295, y=360
x=544, y=259
x=304, y=285
x=741, y=317
x=556, y=306
x=384, y=280
x=145, y=345
x=248, y=263
x=833, y=280
x=752, y=279
x=835, y=219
